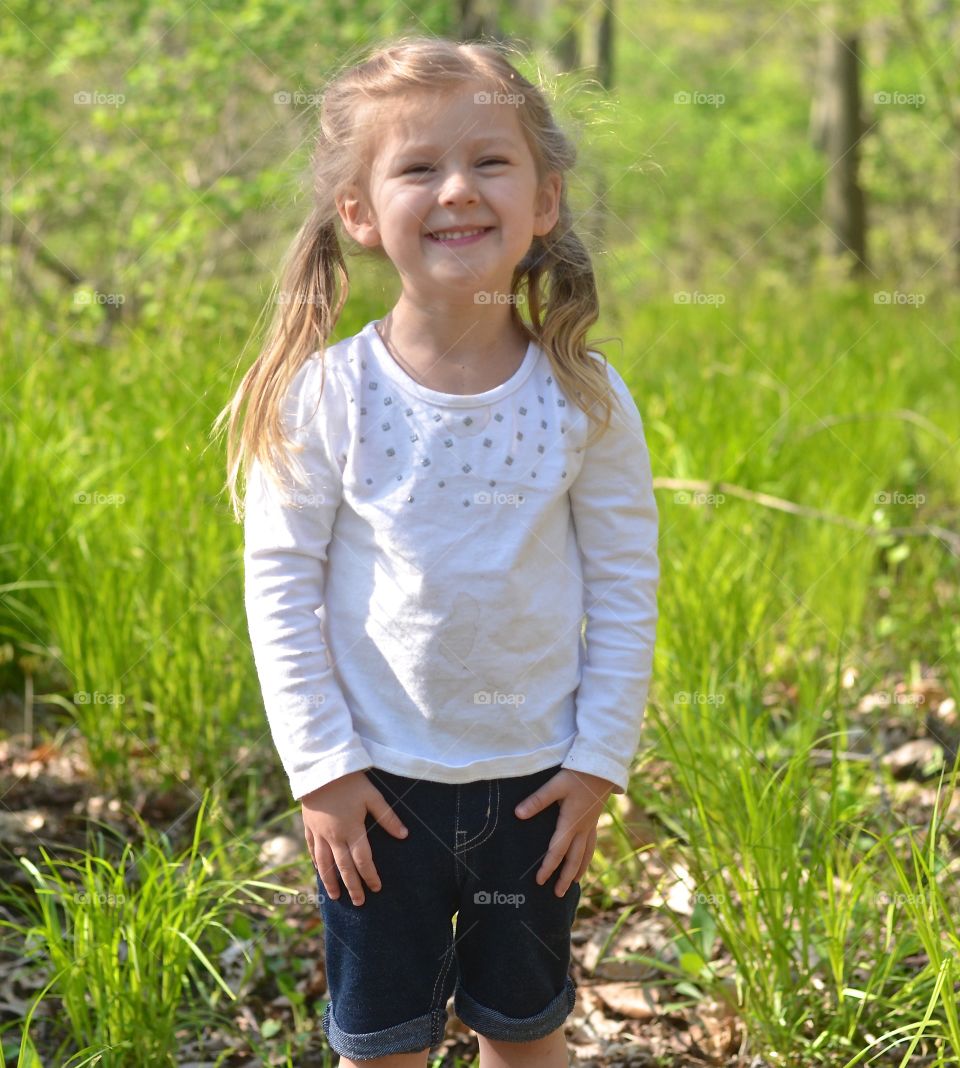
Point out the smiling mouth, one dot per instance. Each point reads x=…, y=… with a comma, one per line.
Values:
x=463, y=234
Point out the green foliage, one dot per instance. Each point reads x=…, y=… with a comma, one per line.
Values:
x=819, y=421
x=130, y=947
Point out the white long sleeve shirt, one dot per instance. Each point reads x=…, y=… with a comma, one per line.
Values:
x=417, y=606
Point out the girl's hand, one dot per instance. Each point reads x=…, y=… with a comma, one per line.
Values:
x=582, y=799
x=334, y=820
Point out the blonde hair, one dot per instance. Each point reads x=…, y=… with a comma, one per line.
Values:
x=314, y=280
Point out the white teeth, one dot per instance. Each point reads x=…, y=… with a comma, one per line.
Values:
x=453, y=234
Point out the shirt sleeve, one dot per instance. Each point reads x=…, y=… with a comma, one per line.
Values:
x=285, y=556
x=616, y=522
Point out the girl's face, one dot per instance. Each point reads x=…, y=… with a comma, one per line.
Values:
x=452, y=163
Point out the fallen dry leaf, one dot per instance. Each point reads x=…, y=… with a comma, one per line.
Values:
x=629, y=999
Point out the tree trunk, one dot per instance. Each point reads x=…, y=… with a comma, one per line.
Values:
x=478, y=18
x=567, y=48
x=605, y=46
x=603, y=66
x=838, y=129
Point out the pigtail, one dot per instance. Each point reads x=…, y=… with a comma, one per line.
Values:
x=313, y=289
x=561, y=317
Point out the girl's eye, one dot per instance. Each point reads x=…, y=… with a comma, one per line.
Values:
x=423, y=167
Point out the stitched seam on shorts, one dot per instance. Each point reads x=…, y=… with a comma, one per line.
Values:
x=485, y=831
x=463, y=845
x=458, y=874
x=456, y=823
x=434, y=1008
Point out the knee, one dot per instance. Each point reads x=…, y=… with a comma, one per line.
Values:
x=509, y=1044
x=392, y=1060
x=547, y=1052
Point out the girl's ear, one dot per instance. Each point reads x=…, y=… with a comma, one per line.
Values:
x=547, y=209
x=358, y=218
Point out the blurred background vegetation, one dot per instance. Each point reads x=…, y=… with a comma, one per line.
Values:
x=771, y=193
x=159, y=150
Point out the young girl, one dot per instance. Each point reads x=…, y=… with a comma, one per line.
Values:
x=468, y=485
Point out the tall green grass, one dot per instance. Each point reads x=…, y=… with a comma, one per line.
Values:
x=128, y=948
x=773, y=626
x=822, y=912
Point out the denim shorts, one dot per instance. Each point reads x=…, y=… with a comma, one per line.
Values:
x=393, y=962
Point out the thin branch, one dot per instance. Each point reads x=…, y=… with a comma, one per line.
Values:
x=949, y=537
x=905, y=414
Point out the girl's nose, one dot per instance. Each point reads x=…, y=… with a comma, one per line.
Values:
x=458, y=188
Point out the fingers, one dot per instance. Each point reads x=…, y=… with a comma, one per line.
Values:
x=336, y=857
x=576, y=859
x=362, y=866
x=355, y=865
x=350, y=854
x=568, y=873
x=327, y=870
x=563, y=844
x=587, y=856
x=386, y=817
x=538, y=800
x=576, y=852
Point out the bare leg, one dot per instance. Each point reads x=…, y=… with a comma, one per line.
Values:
x=549, y=1052
x=393, y=1060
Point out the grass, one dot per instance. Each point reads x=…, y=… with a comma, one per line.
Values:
x=127, y=947
x=824, y=903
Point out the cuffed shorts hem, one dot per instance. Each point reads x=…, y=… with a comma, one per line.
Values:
x=500, y=1028
x=423, y=1032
